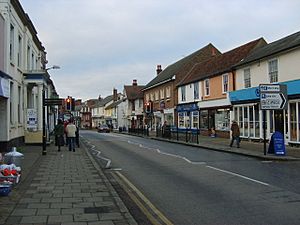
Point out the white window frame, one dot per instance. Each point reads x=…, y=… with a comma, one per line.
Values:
x=168, y=92
x=247, y=80
x=162, y=93
x=183, y=94
x=225, y=83
x=206, y=87
x=196, y=90
x=156, y=95
x=273, y=70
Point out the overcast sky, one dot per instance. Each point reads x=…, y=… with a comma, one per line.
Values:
x=105, y=44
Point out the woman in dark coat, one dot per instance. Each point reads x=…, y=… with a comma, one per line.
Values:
x=59, y=134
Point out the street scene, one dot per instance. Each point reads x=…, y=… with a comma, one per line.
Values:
x=139, y=113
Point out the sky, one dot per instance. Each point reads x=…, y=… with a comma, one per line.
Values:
x=105, y=44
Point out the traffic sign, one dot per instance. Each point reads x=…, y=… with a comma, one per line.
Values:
x=273, y=96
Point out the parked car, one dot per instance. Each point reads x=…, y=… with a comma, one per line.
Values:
x=103, y=129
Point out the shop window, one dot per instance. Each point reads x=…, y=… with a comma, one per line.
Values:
x=251, y=121
x=195, y=118
x=256, y=120
x=241, y=118
x=204, y=119
x=246, y=121
x=298, y=121
x=222, y=119
x=181, y=119
x=293, y=122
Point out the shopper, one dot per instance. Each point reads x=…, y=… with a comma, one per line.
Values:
x=71, y=134
x=59, y=134
x=235, y=134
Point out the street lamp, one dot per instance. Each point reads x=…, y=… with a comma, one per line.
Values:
x=44, y=151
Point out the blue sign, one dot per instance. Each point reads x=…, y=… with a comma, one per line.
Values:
x=277, y=146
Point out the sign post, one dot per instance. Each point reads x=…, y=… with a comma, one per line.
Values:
x=272, y=97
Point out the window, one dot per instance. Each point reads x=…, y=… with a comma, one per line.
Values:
x=204, y=119
x=162, y=93
x=225, y=83
x=19, y=104
x=168, y=92
x=183, y=93
x=32, y=61
x=222, y=119
x=247, y=78
x=206, y=86
x=147, y=97
x=195, y=119
x=196, y=90
x=156, y=95
x=273, y=70
x=28, y=57
x=181, y=119
x=152, y=97
x=11, y=103
x=11, y=43
x=19, y=51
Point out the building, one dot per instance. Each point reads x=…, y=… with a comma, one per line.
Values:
x=24, y=79
x=133, y=105
x=162, y=91
x=275, y=63
x=206, y=88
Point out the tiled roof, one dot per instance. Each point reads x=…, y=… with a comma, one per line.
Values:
x=182, y=67
x=114, y=104
x=272, y=48
x=221, y=63
x=134, y=91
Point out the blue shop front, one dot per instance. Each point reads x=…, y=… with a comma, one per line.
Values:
x=188, y=116
x=247, y=113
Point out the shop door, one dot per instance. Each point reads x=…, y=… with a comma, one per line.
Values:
x=279, y=121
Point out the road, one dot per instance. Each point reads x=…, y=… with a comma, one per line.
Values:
x=197, y=186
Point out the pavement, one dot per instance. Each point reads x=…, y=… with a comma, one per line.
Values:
x=247, y=147
x=62, y=188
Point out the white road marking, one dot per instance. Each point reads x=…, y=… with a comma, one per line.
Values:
x=238, y=175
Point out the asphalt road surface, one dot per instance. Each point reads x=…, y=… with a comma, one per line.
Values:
x=192, y=186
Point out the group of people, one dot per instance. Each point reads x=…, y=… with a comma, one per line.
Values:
x=69, y=130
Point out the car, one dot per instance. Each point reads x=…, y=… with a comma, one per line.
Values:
x=103, y=129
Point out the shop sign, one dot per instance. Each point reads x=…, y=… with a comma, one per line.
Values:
x=187, y=107
x=273, y=96
x=31, y=119
x=277, y=146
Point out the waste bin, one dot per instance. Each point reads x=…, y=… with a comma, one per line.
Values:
x=13, y=157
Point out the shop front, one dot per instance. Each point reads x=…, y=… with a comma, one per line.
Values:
x=188, y=116
x=215, y=116
x=246, y=111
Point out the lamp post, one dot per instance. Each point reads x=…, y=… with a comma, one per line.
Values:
x=44, y=151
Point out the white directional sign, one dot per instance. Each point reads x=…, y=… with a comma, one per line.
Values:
x=273, y=96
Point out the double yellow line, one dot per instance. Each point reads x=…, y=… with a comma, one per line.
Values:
x=154, y=215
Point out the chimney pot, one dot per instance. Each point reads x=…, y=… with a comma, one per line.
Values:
x=134, y=82
x=158, y=69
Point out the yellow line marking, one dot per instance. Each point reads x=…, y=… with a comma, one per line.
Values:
x=147, y=202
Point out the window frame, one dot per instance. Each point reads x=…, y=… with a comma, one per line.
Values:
x=196, y=90
x=206, y=87
x=247, y=80
x=225, y=86
x=273, y=73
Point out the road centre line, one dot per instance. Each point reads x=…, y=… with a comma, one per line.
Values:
x=168, y=154
x=238, y=175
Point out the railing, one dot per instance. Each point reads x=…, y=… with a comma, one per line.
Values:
x=139, y=131
x=179, y=134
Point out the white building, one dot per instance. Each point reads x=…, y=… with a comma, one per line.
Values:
x=277, y=62
x=23, y=78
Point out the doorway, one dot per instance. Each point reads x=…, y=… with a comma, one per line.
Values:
x=279, y=121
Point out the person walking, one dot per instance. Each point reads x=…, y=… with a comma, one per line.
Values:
x=71, y=134
x=59, y=131
x=235, y=133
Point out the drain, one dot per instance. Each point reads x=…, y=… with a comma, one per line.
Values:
x=103, y=209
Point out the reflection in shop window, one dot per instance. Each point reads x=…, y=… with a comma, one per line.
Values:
x=246, y=120
x=298, y=120
x=256, y=119
x=251, y=121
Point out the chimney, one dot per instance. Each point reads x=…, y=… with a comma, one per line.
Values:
x=134, y=83
x=158, y=69
x=213, y=51
x=115, y=94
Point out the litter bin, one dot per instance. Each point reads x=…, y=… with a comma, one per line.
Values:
x=13, y=157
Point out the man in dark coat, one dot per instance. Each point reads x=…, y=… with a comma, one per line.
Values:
x=235, y=134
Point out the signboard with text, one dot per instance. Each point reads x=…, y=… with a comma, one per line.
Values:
x=273, y=96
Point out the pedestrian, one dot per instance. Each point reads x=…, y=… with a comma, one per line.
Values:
x=235, y=133
x=65, y=126
x=59, y=134
x=71, y=134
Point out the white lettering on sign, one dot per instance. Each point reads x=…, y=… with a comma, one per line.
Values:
x=269, y=88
